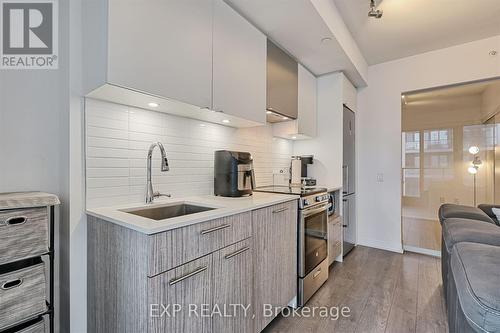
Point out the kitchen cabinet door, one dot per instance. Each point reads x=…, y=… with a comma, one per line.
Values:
x=307, y=100
x=162, y=47
x=305, y=126
x=186, y=287
x=239, y=65
x=275, y=257
x=233, y=285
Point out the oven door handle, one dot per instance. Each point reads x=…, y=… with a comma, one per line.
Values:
x=309, y=212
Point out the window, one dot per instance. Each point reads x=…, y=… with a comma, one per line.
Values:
x=411, y=164
x=427, y=158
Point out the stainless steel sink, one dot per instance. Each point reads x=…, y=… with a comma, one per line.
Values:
x=167, y=212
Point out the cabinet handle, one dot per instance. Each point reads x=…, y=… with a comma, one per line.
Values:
x=12, y=284
x=187, y=276
x=234, y=254
x=16, y=220
x=207, y=231
x=317, y=273
x=279, y=210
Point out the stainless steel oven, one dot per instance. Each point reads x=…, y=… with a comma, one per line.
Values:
x=313, y=245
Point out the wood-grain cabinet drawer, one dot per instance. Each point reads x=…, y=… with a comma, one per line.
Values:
x=24, y=233
x=36, y=326
x=176, y=247
x=337, y=232
x=22, y=294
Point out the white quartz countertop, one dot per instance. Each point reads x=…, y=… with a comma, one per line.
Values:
x=223, y=207
x=330, y=188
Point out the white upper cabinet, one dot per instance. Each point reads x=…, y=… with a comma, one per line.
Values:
x=305, y=126
x=239, y=65
x=187, y=56
x=162, y=47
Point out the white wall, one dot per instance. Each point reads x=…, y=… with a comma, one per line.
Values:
x=118, y=138
x=77, y=222
x=34, y=151
x=379, y=128
x=327, y=145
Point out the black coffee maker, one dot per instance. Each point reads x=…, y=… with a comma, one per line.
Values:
x=234, y=174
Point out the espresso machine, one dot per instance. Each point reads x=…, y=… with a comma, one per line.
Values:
x=298, y=171
x=234, y=174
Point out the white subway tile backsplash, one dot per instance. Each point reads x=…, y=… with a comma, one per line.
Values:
x=119, y=136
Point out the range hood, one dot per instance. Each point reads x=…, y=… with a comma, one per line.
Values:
x=282, y=85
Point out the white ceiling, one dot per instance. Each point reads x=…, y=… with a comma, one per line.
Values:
x=297, y=27
x=410, y=27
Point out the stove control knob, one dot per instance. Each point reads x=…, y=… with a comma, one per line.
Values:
x=305, y=202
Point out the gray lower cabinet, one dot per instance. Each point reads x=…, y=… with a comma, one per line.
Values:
x=334, y=238
x=275, y=253
x=242, y=262
x=177, y=297
x=233, y=288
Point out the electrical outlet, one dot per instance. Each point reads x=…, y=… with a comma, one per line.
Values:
x=380, y=177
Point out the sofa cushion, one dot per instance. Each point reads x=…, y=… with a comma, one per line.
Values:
x=464, y=212
x=488, y=209
x=475, y=269
x=464, y=230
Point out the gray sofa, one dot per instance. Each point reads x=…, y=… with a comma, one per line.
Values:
x=470, y=239
x=465, y=212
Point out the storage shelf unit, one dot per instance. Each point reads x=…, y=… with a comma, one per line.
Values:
x=27, y=219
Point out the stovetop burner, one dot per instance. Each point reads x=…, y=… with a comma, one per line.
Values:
x=291, y=190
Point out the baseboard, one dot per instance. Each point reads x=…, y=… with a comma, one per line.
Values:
x=381, y=245
x=420, y=250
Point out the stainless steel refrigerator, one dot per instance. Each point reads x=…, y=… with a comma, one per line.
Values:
x=349, y=181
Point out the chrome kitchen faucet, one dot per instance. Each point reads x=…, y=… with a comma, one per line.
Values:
x=150, y=195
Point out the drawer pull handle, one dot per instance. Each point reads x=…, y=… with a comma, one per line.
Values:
x=12, y=284
x=187, y=276
x=16, y=220
x=207, y=231
x=234, y=254
x=317, y=273
x=279, y=210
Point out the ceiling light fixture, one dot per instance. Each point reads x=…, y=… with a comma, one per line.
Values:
x=375, y=13
x=285, y=118
x=153, y=105
x=269, y=112
x=226, y=121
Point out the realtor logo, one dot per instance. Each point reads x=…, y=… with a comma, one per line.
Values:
x=28, y=34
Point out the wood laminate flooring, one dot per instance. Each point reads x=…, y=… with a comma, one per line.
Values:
x=425, y=234
x=385, y=291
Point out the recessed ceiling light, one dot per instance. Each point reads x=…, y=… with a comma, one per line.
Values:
x=285, y=118
x=493, y=53
x=153, y=105
x=325, y=40
x=202, y=125
x=226, y=121
x=269, y=112
x=294, y=137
